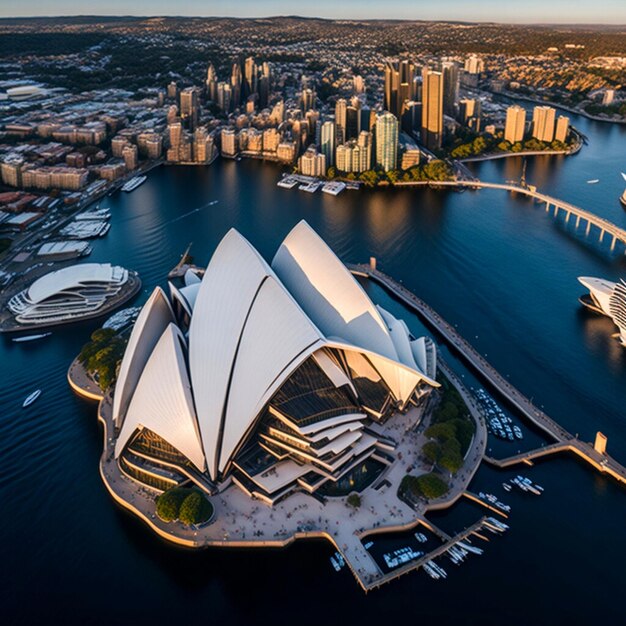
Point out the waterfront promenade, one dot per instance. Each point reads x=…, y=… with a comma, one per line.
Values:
x=565, y=440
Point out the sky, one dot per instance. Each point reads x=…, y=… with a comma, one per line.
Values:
x=526, y=11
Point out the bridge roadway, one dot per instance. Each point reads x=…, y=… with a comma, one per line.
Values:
x=605, y=226
x=565, y=440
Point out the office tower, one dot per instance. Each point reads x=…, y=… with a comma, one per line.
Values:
x=432, y=109
x=211, y=83
x=387, y=141
x=515, y=125
x=307, y=100
x=311, y=117
x=562, y=129
x=543, y=123
x=327, y=142
x=235, y=85
x=470, y=110
x=224, y=97
x=172, y=90
x=399, y=85
x=450, y=72
x=412, y=117
x=250, y=77
x=189, y=106
x=341, y=107
x=228, y=139
x=474, y=65
x=353, y=122
x=358, y=84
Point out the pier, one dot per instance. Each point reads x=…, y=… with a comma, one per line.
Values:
x=564, y=441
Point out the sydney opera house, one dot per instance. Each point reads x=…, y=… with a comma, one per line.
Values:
x=273, y=377
x=607, y=298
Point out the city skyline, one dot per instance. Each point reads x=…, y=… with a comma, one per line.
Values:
x=608, y=12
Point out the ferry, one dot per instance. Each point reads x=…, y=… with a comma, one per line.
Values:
x=593, y=181
x=310, y=187
x=334, y=188
x=95, y=214
x=31, y=398
x=133, y=183
x=289, y=182
x=31, y=337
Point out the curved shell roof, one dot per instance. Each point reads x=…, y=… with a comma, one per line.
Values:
x=72, y=277
x=328, y=293
x=153, y=319
x=163, y=402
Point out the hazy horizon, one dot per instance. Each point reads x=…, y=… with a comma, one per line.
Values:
x=532, y=12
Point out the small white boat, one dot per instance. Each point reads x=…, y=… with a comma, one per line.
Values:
x=593, y=181
x=31, y=398
x=30, y=337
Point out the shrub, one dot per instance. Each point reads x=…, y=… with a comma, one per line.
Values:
x=354, y=500
x=428, y=486
x=168, y=503
x=195, y=509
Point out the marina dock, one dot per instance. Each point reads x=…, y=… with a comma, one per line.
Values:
x=564, y=441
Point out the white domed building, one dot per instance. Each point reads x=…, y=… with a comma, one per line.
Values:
x=273, y=377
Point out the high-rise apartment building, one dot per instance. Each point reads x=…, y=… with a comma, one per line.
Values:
x=562, y=128
x=432, y=109
x=228, y=139
x=474, y=65
x=543, y=123
x=327, y=142
x=190, y=106
x=450, y=71
x=387, y=141
x=341, y=111
x=515, y=125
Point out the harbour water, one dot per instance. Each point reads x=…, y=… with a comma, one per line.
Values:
x=496, y=266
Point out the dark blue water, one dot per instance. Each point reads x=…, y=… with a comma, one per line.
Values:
x=497, y=267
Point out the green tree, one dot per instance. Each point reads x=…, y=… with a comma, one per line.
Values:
x=195, y=509
x=441, y=431
x=431, y=451
x=354, y=500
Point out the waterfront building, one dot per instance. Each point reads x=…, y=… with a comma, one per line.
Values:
x=117, y=146
x=432, y=109
x=312, y=163
x=150, y=144
x=54, y=177
x=273, y=378
x=130, y=156
x=68, y=294
x=387, y=141
x=327, y=142
x=607, y=298
x=203, y=146
x=515, y=125
x=543, y=123
x=562, y=128
x=228, y=139
x=286, y=151
x=608, y=97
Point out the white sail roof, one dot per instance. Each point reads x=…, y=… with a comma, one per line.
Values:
x=328, y=293
x=276, y=339
x=153, y=319
x=227, y=292
x=163, y=402
x=74, y=276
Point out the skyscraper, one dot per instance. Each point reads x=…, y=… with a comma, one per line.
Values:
x=399, y=85
x=189, y=106
x=327, y=142
x=307, y=99
x=211, y=83
x=450, y=72
x=562, y=129
x=250, y=77
x=515, y=124
x=543, y=123
x=235, y=85
x=224, y=97
x=469, y=113
x=341, y=107
x=387, y=141
x=353, y=122
x=432, y=109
